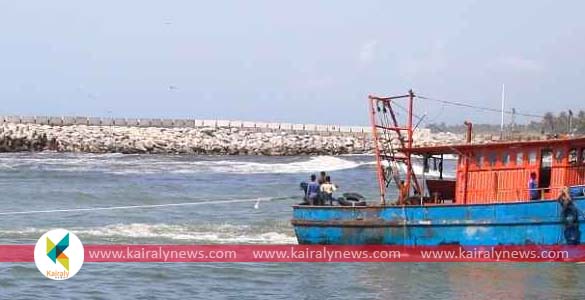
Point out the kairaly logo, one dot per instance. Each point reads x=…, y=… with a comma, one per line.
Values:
x=59, y=254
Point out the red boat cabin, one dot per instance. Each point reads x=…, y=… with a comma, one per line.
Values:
x=500, y=172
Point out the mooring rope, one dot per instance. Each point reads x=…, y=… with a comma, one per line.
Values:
x=256, y=206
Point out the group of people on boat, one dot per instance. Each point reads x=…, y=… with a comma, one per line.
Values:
x=319, y=191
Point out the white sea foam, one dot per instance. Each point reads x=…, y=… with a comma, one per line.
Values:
x=132, y=164
x=318, y=163
x=313, y=164
x=208, y=233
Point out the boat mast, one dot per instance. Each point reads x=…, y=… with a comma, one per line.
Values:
x=388, y=125
x=376, y=139
x=409, y=173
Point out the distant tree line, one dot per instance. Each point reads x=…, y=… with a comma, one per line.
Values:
x=562, y=123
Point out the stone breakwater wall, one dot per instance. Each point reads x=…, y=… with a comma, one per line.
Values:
x=187, y=140
x=203, y=140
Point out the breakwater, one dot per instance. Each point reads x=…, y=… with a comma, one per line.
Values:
x=203, y=140
x=217, y=138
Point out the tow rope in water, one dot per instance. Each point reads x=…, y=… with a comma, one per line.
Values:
x=256, y=206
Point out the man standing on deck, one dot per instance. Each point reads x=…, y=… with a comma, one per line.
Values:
x=327, y=188
x=320, y=181
x=533, y=187
x=313, y=191
x=322, y=177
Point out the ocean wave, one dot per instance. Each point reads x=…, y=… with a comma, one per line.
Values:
x=120, y=164
x=318, y=163
x=202, y=233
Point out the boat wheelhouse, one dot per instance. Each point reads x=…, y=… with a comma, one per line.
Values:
x=500, y=172
x=487, y=203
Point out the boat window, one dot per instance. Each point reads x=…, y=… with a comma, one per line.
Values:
x=520, y=158
x=492, y=157
x=546, y=158
x=506, y=158
x=479, y=159
x=532, y=157
x=573, y=156
x=559, y=156
x=583, y=156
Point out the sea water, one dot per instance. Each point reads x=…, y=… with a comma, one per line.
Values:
x=58, y=181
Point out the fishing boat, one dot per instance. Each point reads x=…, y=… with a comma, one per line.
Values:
x=488, y=202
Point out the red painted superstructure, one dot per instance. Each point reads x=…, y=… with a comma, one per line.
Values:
x=500, y=172
x=485, y=173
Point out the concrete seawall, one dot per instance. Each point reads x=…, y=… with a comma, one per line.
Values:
x=184, y=123
x=190, y=137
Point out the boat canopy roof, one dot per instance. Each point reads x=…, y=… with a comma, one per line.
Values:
x=459, y=148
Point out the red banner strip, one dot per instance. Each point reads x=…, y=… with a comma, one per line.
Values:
x=17, y=253
x=310, y=253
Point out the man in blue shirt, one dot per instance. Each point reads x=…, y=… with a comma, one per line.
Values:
x=313, y=191
x=533, y=187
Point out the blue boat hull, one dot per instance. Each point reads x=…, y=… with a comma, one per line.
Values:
x=521, y=223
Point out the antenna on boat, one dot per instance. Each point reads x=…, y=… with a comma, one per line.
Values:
x=570, y=125
x=502, y=122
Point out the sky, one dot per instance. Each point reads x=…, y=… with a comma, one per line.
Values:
x=294, y=61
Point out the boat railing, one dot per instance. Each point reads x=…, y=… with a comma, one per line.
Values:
x=511, y=195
